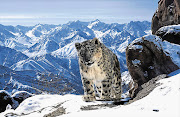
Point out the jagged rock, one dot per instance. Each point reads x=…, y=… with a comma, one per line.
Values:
x=170, y=33
x=5, y=99
x=168, y=13
x=146, y=60
x=21, y=96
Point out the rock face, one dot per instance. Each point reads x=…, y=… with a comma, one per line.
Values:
x=168, y=13
x=170, y=33
x=146, y=60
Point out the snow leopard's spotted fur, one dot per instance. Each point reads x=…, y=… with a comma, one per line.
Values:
x=100, y=71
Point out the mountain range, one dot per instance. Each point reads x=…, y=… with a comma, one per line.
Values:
x=33, y=56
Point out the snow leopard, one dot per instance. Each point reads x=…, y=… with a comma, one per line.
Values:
x=100, y=71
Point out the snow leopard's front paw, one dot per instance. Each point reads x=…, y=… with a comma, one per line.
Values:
x=106, y=98
x=89, y=98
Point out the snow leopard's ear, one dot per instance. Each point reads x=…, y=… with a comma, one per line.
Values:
x=78, y=46
x=96, y=41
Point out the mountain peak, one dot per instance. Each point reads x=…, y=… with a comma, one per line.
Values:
x=96, y=20
x=93, y=23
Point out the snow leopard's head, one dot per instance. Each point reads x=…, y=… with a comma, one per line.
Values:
x=89, y=51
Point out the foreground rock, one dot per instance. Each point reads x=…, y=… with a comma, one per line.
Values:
x=168, y=13
x=170, y=33
x=5, y=99
x=21, y=96
x=12, y=102
x=146, y=59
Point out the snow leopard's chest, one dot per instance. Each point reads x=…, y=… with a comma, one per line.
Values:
x=94, y=73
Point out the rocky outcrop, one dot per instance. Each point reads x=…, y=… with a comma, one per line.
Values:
x=5, y=99
x=146, y=60
x=14, y=100
x=170, y=33
x=168, y=13
x=21, y=96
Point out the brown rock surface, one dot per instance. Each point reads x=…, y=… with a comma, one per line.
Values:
x=168, y=13
x=146, y=60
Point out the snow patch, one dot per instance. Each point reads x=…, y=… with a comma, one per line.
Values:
x=170, y=29
x=136, y=62
x=93, y=24
x=148, y=32
x=151, y=67
x=136, y=47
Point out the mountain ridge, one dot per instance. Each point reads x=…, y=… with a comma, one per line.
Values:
x=49, y=49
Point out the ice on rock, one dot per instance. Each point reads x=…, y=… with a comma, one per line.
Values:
x=136, y=62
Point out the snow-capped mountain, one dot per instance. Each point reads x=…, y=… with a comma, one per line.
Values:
x=49, y=49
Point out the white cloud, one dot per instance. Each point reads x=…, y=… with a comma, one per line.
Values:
x=16, y=17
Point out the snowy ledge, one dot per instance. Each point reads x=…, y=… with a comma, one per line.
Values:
x=169, y=29
x=162, y=101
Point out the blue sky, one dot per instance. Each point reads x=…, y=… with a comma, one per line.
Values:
x=31, y=12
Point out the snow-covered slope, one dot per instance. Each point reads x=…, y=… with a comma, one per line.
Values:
x=162, y=101
x=9, y=56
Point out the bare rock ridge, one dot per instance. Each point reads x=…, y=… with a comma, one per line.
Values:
x=146, y=60
x=168, y=13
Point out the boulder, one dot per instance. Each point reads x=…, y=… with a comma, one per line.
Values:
x=5, y=99
x=21, y=96
x=168, y=13
x=13, y=101
x=170, y=33
x=146, y=60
